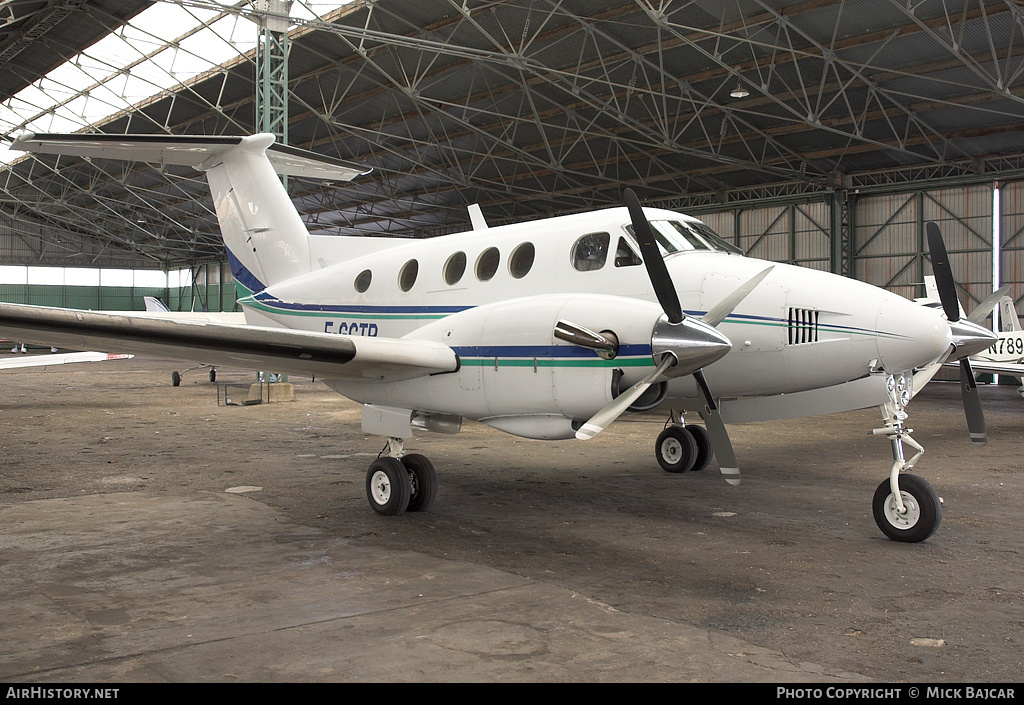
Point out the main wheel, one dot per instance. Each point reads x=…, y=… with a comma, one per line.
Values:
x=923, y=510
x=675, y=449
x=175, y=378
x=387, y=486
x=704, y=452
x=422, y=480
x=213, y=374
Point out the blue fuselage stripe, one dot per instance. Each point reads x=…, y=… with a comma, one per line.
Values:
x=543, y=351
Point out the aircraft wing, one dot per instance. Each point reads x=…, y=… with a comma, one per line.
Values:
x=325, y=355
x=44, y=360
x=1014, y=369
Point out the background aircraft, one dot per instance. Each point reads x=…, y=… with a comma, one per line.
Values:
x=47, y=359
x=549, y=329
x=1006, y=354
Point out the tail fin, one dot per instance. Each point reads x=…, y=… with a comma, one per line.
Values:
x=1008, y=315
x=265, y=238
x=154, y=304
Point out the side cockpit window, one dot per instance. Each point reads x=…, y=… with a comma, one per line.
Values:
x=625, y=255
x=590, y=252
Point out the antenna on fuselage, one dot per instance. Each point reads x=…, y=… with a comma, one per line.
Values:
x=476, y=217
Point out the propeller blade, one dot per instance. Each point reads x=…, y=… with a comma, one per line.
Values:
x=653, y=261
x=717, y=433
x=951, y=305
x=972, y=404
x=720, y=311
x=943, y=273
x=984, y=309
x=604, y=418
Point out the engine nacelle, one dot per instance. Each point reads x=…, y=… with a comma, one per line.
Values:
x=516, y=375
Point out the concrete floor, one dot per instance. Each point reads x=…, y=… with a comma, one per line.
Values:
x=151, y=535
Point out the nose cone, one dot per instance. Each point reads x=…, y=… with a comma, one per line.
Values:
x=970, y=338
x=694, y=344
x=910, y=335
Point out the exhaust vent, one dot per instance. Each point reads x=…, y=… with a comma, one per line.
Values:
x=803, y=326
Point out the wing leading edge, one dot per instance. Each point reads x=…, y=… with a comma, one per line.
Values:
x=325, y=355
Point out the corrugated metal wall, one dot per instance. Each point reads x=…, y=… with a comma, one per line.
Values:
x=1011, y=231
x=212, y=289
x=888, y=245
x=97, y=298
x=797, y=234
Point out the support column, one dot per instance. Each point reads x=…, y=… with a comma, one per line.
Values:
x=842, y=232
x=272, y=52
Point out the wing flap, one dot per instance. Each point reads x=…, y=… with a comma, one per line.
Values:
x=325, y=355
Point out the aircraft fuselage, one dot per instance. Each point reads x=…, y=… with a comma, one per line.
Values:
x=494, y=296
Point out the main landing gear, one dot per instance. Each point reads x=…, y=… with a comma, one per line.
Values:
x=906, y=507
x=682, y=448
x=176, y=376
x=398, y=483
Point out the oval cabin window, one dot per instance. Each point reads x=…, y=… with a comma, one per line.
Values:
x=521, y=261
x=487, y=264
x=362, y=282
x=454, y=268
x=407, y=277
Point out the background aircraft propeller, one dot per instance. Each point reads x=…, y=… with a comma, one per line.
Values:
x=951, y=305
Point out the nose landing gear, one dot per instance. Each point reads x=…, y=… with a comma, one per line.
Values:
x=906, y=507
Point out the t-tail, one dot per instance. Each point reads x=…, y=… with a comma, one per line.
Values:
x=265, y=238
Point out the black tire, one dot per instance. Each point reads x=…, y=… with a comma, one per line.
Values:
x=704, y=451
x=422, y=480
x=175, y=378
x=213, y=374
x=924, y=510
x=675, y=449
x=387, y=486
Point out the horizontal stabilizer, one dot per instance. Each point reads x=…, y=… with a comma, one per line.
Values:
x=197, y=151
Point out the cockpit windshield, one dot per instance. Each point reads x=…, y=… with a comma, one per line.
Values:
x=682, y=236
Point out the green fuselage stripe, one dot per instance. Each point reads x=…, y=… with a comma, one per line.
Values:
x=549, y=362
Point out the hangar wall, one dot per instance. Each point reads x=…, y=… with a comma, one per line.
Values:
x=211, y=289
x=887, y=243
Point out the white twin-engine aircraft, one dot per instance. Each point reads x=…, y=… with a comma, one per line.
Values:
x=547, y=329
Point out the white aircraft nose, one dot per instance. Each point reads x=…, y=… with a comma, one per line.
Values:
x=910, y=335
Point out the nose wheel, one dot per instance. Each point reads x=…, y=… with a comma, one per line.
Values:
x=920, y=514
